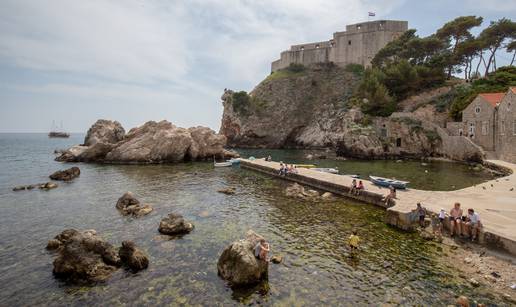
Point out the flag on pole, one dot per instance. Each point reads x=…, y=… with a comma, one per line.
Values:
x=372, y=14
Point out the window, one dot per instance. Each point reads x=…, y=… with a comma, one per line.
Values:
x=485, y=128
x=349, y=42
x=502, y=128
x=398, y=142
x=359, y=27
x=317, y=46
x=460, y=132
x=471, y=130
x=477, y=110
x=302, y=48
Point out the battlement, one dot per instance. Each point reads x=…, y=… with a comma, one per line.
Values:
x=357, y=45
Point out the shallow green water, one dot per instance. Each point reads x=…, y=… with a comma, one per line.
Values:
x=393, y=266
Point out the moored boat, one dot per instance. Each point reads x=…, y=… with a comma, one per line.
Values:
x=222, y=164
x=386, y=182
x=234, y=161
x=54, y=133
x=305, y=165
x=326, y=170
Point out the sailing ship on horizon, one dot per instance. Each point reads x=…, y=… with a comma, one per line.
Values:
x=57, y=133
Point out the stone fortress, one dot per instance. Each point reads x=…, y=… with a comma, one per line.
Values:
x=357, y=45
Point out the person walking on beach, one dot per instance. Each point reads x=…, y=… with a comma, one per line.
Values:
x=456, y=220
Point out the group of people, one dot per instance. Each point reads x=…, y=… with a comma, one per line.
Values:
x=356, y=188
x=460, y=224
x=287, y=169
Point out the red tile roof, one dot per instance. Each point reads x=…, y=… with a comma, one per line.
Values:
x=492, y=98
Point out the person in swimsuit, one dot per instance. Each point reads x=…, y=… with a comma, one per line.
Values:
x=473, y=224
x=261, y=250
x=456, y=220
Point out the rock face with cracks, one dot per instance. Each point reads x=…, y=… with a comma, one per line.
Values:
x=133, y=257
x=153, y=142
x=238, y=265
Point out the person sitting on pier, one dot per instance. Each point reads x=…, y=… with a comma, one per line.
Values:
x=421, y=213
x=269, y=158
x=353, y=241
x=359, y=187
x=261, y=250
x=456, y=220
x=473, y=224
x=391, y=195
x=292, y=169
x=282, y=169
x=353, y=186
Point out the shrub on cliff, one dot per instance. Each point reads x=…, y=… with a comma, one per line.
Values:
x=245, y=104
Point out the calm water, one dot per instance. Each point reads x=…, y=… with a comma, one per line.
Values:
x=393, y=266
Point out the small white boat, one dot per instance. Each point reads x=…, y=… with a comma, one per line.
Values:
x=386, y=182
x=353, y=176
x=222, y=164
x=234, y=161
x=326, y=170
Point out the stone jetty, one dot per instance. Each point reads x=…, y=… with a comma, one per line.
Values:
x=494, y=200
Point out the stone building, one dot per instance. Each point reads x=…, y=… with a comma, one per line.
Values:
x=357, y=45
x=490, y=121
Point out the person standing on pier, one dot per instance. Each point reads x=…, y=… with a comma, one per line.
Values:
x=421, y=213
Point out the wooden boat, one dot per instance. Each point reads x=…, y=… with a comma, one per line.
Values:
x=326, y=170
x=222, y=164
x=304, y=165
x=386, y=182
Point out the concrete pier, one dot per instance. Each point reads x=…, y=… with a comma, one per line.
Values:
x=495, y=200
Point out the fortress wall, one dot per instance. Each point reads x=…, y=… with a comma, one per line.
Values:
x=305, y=57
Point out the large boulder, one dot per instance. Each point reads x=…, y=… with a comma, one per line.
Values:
x=174, y=224
x=104, y=131
x=238, y=265
x=153, y=142
x=83, y=256
x=67, y=174
x=128, y=204
x=133, y=257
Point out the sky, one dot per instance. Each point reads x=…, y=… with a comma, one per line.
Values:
x=76, y=61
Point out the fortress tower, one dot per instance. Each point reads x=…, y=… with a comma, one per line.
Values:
x=357, y=45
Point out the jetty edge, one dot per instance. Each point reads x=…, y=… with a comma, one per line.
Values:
x=493, y=200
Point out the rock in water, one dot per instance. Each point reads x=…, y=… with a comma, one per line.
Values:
x=174, y=224
x=67, y=174
x=47, y=186
x=227, y=191
x=153, y=142
x=83, y=256
x=277, y=259
x=129, y=205
x=238, y=265
x=133, y=257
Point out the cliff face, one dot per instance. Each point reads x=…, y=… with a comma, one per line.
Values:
x=288, y=108
x=309, y=108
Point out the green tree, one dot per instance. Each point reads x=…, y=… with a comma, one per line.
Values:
x=511, y=47
x=494, y=36
x=374, y=96
x=456, y=32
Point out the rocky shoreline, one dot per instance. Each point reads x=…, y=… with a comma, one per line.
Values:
x=151, y=143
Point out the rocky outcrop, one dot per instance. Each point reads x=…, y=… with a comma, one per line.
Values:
x=174, y=224
x=312, y=109
x=42, y=186
x=83, y=256
x=67, y=174
x=134, y=258
x=105, y=132
x=153, y=142
x=238, y=265
x=128, y=204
